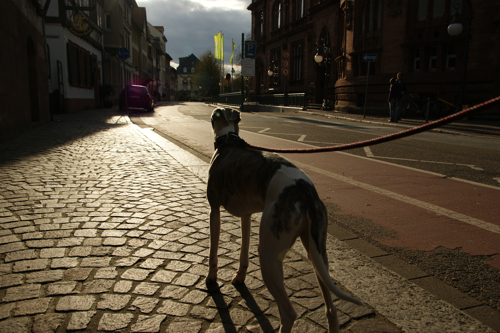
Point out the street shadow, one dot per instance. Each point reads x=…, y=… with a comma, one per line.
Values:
x=214, y=291
x=264, y=323
x=64, y=129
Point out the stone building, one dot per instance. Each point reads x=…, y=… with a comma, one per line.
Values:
x=406, y=36
x=24, y=71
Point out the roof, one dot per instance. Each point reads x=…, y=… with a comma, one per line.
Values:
x=189, y=61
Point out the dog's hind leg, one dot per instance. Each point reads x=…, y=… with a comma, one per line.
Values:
x=331, y=311
x=239, y=277
x=271, y=254
x=214, y=244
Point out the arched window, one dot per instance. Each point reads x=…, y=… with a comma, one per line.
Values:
x=277, y=15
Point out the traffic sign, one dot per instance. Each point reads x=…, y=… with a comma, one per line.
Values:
x=123, y=53
x=286, y=63
x=285, y=71
x=250, y=49
x=285, y=54
x=370, y=57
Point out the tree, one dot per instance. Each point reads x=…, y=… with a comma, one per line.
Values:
x=207, y=74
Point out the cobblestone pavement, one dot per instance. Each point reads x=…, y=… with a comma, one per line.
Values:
x=102, y=230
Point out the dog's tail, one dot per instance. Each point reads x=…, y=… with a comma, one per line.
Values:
x=317, y=250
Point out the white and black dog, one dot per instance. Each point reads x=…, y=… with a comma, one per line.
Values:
x=246, y=181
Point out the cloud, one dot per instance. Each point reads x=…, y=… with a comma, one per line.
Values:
x=190, y=26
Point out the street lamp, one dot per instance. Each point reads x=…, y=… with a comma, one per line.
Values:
x=273, y=71
x=319, y=58
x=454, y=29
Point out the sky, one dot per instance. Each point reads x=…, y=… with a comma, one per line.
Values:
x=190, y=25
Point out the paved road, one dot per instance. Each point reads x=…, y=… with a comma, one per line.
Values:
x=103, y=227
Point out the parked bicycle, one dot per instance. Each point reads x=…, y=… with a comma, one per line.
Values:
x=438, y=107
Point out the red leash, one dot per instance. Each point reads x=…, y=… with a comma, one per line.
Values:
x=412, y=131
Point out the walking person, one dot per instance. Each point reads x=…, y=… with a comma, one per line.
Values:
x=400, y=97
x=394, y=93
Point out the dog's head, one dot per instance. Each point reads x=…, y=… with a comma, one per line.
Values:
x=225, y=120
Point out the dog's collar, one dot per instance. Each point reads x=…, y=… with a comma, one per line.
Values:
x=226, y=138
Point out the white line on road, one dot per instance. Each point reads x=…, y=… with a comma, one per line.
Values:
x=302, y=138
x=368, y=152
x=264, y=130
x=396, y=196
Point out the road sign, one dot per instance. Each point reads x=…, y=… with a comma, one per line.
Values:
x=286, y=63
x=248, y=67
x=285, y=71
x=250, y=49
x=285, y=54
x=123, y=53
x=370, y=57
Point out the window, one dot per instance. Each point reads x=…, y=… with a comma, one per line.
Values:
x=108, y=21
x=277, y=16
x=438, y=8
x=416, y=60
x=299, y=9
x=297, y=62
x=261, y=25
x=433, y=59
x=372, y=16
x=79, y=65
x=451, y=57
x=422, y=10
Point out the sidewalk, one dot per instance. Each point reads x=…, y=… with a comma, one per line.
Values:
x=103, y=227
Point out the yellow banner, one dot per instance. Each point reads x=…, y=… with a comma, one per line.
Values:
x=219, y=46
x=232, y=52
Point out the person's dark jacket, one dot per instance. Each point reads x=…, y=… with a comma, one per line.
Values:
x=395, y=91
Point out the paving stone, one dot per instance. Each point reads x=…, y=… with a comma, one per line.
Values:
x=101, y=251
x=123, y=251
x=151, y=263
x=113, y=302
x=62, y=288
x=30, y=265
x=42, y=243
x=5, y=310
x=257, y=304
x=184, y=325
x=179, y=266
x=168, y=255
x=146, y=288
x=122, y=286
x=64, y=262
x=70, y=242
x=20, y=255
x=75, y=303
x=239, y=317
x=164, y=276
x=95, y=262
x=114, y=241
x=136, y=274
x=157, y=244
x=203, y=312
x=34, y=306
x=80, y=251
x=353, y=310
x=77, y=274
x=113, y=233
x=144, y=304
x=106, y=273
x=10, y=280
x=135, y=243
x=173, y=292
x=80, y=320
x=15, y=325
x=92, y=241
x=142, y=253
x=52, y=253
x=194, y=297
x=57, y=234
x=302, y=325
x=20, y=293
x=90, y=233
x=262, y=324
x=126, y=262
x=9, y=239
x=98, y=286
x=173, y=308
x=44, y=276
x=12, y=247
x=373, y=325
x=114, y=322
x=148, y=323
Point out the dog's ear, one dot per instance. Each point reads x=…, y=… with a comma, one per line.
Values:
x=234, y=115
x=217, y=114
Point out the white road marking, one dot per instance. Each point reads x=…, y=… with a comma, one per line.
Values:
x=264, y=130
x=368, y=152
x=302, y=138
x=497, y=179
x=396, y=196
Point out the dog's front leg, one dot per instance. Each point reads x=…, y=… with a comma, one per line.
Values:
x=239, y=277
x=214, y=243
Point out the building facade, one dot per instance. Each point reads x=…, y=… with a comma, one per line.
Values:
x=406, y=36
x=185, y=72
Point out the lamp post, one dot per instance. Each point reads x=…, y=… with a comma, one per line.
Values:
x=323, y=55
x=454, y=29
x=273, y=71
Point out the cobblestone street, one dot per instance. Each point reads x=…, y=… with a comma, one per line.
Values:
x=102, y=230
